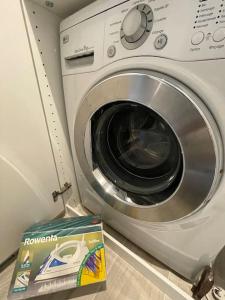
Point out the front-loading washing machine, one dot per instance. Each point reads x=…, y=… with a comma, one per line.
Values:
x=145, y=101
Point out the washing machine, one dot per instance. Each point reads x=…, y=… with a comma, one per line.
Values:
x=145, y=100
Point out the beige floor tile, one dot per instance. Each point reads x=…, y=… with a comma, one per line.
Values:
x=181, y=283
x=166, y=298
x=5, y=279
x=110, y=257
x=123, y=282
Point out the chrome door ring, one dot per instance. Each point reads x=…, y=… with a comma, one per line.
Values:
x=190, y=120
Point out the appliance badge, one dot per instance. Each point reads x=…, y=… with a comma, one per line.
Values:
x=66, y=39
x=85, y=48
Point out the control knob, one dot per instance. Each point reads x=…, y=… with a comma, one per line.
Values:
x=136, y=26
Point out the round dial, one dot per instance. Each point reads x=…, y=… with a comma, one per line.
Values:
x=136, y=26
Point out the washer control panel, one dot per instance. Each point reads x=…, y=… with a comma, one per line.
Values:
x=181, y=30
x=187, y=30
x=136, y=26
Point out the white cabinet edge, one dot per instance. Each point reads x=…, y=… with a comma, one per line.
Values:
x=51, y=91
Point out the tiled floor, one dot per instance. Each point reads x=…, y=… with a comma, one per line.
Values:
x=123, y=282
x=176, y=279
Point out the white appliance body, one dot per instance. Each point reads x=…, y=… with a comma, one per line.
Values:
x=193, y=55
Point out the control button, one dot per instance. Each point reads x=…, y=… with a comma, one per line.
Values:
x=197, y=38
x=111, y=51
x=160, y=41
x=219, y=35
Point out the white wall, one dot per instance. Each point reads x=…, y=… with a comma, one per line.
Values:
x=27, y=167
x=64, y=8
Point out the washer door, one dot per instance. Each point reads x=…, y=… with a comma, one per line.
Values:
x=148, y=146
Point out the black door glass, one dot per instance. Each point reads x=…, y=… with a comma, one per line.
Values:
x=136, y=150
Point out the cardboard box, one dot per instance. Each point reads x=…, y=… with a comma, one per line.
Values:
x=59, y=255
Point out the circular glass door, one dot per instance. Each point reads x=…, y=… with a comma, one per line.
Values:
x=148, y=146
x=137, y=151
